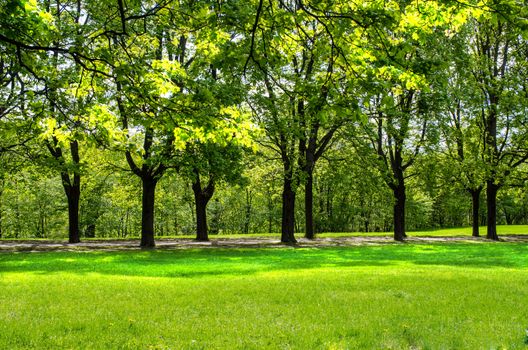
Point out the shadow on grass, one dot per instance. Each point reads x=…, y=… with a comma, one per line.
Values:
x=232, y=262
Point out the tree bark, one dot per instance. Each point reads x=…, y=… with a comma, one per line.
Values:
x=491, y=201
x=73, y=193
x=201, y=217
x=313, y=152
x=147, y=212
x=17, y=210
x=201, y=198
x=475, y=204
x=247, y=219
x=72, y=189
x=270, y=213
x=288, y=212
x=1, y=207
x=90, y=230
x=71, y=185
x=308, y=205
x=399, y=212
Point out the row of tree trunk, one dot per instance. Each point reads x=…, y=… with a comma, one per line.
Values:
x=71, y=184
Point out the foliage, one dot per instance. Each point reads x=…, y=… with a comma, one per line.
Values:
x=340, y=102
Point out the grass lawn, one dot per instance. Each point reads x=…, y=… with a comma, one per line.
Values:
x=445, y=232
x=503, y=230
x=395, y=296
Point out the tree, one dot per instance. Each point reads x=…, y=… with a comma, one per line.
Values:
x=173, y=83
x=64, y=102
x=499, y=68
x=392, y=124
x=144, y=66
x=461, y=160
x=295, y=69
x=464, y=146
x=206, y=164
x=401, y=95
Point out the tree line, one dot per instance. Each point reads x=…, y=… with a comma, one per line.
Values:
x=380, y=114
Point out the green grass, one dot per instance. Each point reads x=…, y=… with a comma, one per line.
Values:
x=447, y=232
x=397, y=296
x=503, y=230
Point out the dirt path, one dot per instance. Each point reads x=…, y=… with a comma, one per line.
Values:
x=262, y=242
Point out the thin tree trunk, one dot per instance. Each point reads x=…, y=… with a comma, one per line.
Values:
x=308, y=205
x=475, y=204
x=399, y=213
x=270, y=212
x=491, y=199
x=17, y=212
x=288, y=212
x=1, y=206
x=90, y=230
x=127, y=223
x=247, y=219
x=330, y=209
x=44, y=226
x=147, y=212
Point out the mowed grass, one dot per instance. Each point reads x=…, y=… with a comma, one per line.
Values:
x=503, y=230
x=394, y=296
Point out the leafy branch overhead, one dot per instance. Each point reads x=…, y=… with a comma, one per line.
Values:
x=420, y=100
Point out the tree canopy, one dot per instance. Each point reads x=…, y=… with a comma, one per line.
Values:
x=383, y=115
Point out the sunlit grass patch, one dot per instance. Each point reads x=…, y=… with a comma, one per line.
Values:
x=445, y=232
x=426, y=296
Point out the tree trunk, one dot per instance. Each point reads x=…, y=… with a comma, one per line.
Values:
x=247, y=219
x=90, y=230
x=41, y=226
x=399, y=213
x=308, y=205
x=1, y=207
x=270, y=212
x=475, y=203
x=147, y=212
x=201, y=217
x=491, y=200
x=127, y=223
x=201, y=198
x=17, y=213
x=71, y=185
x=176, y=226
x=288, y=212
x=73, y=193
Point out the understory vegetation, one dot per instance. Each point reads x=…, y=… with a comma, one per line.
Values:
x=35, y=208
x=153, y=118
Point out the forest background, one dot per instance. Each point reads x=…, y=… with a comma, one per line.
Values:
x=126, y=118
